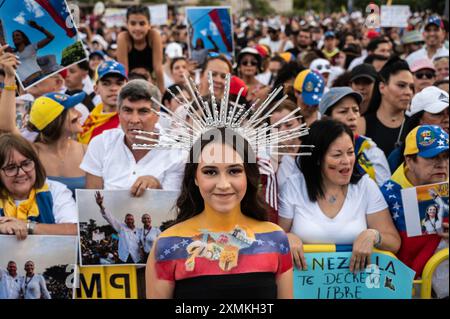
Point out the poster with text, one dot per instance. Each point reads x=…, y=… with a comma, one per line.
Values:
x=328, y=277
x=42, y=34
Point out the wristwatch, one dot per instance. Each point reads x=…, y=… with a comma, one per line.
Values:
x=377, y=238
x=30, y=227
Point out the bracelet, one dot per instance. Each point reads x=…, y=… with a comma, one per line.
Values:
x=10, y=87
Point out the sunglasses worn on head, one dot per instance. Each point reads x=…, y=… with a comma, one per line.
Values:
x=422, y=75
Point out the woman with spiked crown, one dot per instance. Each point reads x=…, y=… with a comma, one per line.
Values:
x=221, y=244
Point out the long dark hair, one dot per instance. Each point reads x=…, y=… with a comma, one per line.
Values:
x=392, y=67
x=190, y=202
x=25, y=38
x=436, y=217
x=322, y=134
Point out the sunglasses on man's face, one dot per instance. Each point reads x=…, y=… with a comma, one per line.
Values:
x=423, y=75
x=249, y=63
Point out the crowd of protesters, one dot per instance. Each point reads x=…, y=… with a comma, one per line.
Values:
x=368, y=95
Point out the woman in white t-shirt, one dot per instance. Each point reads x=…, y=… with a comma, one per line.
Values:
x=285, y=165
x=29, y=69
x=328, y=202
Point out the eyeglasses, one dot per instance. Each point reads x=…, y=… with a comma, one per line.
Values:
x=249, y=62
x=13, y=170
x=422, y=75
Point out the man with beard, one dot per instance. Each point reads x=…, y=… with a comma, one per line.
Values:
x=302, y=42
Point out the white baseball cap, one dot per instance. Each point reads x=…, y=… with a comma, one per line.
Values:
x=320, y=65
x=174, y=50
x=431, y=99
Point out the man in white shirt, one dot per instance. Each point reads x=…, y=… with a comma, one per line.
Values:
x=433, y=35
x=111, y=162
x=273, y=41
x=9, y=282
x=128, y=234
x=33, y=285
x=147, y=235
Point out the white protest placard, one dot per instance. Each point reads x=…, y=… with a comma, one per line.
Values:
x=158, y=14
x=115, y=17
x=395, y=16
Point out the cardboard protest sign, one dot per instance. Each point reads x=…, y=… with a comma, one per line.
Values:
x=425, y=207
x=113, y=282
x=328, y=277
x=122, y=229
x=210, y=30
x=395, y=16
x=44, y=266
x=43, y=35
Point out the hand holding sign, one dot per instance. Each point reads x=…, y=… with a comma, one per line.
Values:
x=297, y=251
x=8, y=61
x=362, y=249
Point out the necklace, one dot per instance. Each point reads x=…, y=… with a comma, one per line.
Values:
x=332, y=199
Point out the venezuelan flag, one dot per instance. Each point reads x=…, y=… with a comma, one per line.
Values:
x=268, y=252
x=58, y=11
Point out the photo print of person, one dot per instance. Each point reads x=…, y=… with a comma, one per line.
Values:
x=39, y=267
x=115, y=228
x=42, y=34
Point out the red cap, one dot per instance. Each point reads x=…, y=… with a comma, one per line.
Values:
x=236, y=84
x=372, y=34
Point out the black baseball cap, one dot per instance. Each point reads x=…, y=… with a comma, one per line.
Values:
x=364, y=70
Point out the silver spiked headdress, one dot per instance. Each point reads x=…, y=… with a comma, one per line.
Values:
x=249, y=122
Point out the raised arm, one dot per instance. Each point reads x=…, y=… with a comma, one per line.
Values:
x=49, y=35
x=107, y=216
x=216, y=47
x=8, y=62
